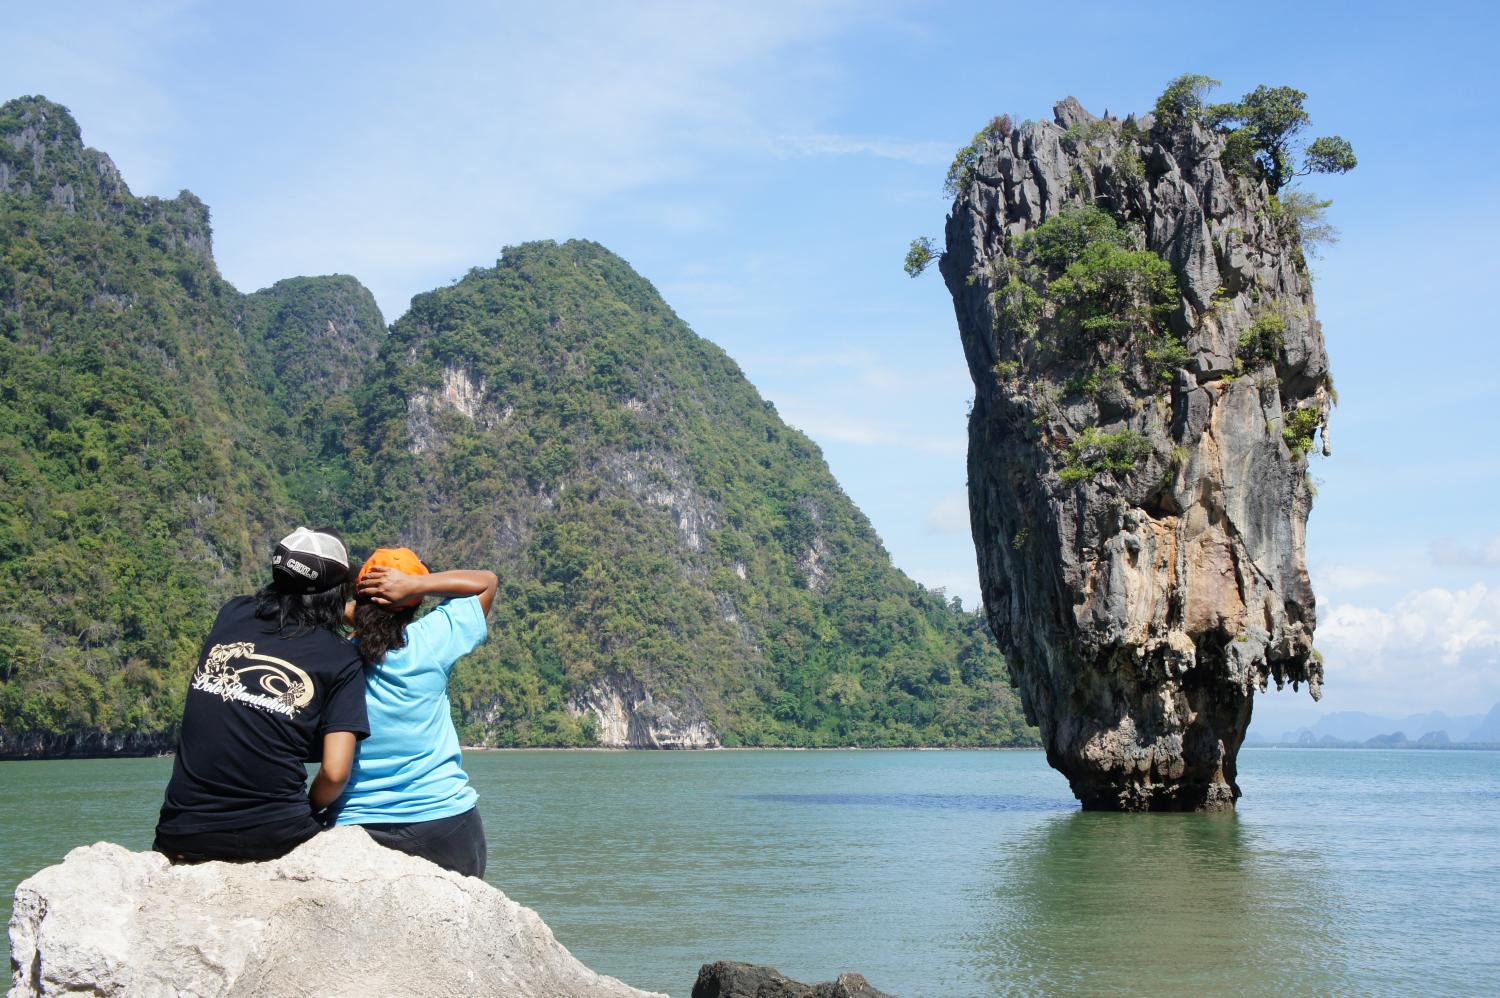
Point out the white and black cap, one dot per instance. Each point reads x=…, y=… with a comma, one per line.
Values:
x=309, y=561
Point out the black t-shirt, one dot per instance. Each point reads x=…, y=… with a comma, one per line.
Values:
x=257, y=709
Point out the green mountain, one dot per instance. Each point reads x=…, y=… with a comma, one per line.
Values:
x=136, y=482
x=679, y=566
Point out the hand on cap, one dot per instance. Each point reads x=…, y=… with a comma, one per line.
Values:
x=385, y=586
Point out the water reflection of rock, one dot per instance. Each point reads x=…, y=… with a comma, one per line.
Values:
x=1156, y=904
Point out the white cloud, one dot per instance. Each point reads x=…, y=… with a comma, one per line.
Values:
x=1485, y=553
x=1434, y=649
x=950, y=515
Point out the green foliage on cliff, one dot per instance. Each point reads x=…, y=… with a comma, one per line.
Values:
x=1094, y=452
x=550, y=417
x=919, y=255
x=1183, y=100
x=966, y=160
x=1261, y=129
x=1084, y=267
x=1303, y=216
x=137, y=479
x=1093, y=272
x=1298, y=427
x=1260, y=343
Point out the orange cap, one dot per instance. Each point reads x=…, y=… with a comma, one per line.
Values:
x=401, y=559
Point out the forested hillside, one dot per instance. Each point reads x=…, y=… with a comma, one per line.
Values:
x=137, y=481
x=657, y=527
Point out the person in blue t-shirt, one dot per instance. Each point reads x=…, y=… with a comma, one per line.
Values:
x=408, y=788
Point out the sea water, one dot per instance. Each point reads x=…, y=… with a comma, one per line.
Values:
x=945, y=873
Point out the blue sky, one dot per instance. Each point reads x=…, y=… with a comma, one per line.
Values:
x=765, y=166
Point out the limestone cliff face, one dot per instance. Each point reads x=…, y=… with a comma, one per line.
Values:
x=629, y=716
x=1138, y=479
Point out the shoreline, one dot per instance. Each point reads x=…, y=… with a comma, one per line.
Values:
x=1473, y=747
x=754, y=748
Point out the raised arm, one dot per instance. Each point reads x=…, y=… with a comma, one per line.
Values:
x=388, y=586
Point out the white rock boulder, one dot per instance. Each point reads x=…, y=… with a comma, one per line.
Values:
x=340, y=915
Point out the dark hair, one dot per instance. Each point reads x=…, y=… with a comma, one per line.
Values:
x=293, y=614
x=380, y=630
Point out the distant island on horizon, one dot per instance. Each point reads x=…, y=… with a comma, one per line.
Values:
x=1275, y=726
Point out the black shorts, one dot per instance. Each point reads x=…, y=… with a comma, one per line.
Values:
x=259, y=842
x=455, y=843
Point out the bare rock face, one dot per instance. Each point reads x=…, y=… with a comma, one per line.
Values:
x=340, y=915
x=629, y=716
x=1149, y=376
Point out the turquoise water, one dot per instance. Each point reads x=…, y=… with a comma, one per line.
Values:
x=946, y=873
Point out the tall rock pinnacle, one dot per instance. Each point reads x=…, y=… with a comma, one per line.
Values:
x=1148, y=379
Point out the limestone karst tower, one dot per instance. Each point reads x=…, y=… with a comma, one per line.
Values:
x=1149, y=378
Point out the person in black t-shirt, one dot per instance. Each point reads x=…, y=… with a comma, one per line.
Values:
x=277, y=685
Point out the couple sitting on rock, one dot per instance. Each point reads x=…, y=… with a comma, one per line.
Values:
x=278, y=685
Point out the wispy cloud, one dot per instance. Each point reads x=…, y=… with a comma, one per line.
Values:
x=828, y=427
x=831, y=144
x=862, y=368
x=491, y=125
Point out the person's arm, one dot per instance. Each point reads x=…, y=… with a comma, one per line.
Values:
x=386, y=586
x=338, y=760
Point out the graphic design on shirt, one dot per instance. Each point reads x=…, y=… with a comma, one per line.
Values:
x=282, y=687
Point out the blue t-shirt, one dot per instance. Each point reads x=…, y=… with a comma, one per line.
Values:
x=409, y=767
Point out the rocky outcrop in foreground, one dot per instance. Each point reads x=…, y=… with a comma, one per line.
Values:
x=338, y=916
x=1149, y=376
x=726, y=979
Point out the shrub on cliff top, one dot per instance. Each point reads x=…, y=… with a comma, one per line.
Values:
x=1261, y=129
x=966, y=160
x=1183, y=99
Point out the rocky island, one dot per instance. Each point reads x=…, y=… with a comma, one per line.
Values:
x=1149, y=379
